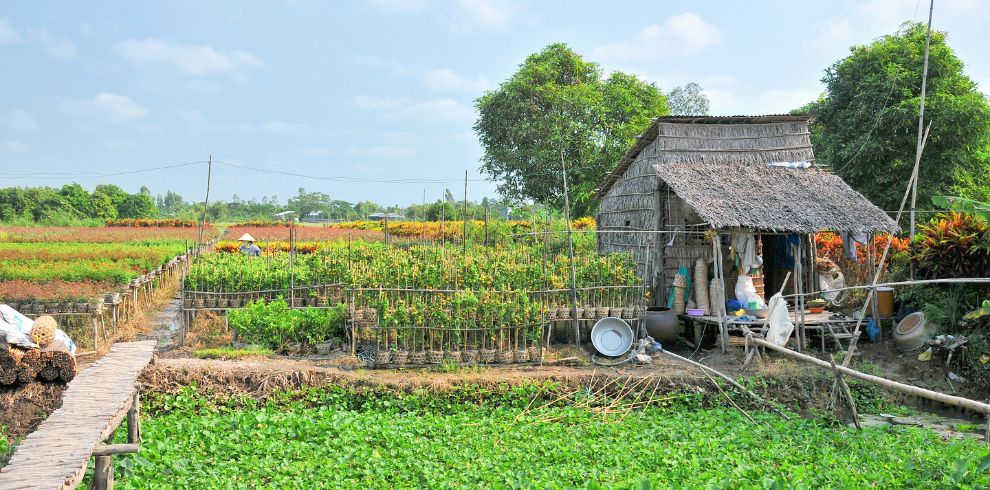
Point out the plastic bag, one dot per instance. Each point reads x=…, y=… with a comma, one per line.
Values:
x=781, y=326
x=14, y=328
x=746, y=292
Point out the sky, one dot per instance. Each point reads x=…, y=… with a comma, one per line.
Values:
x=376, y=97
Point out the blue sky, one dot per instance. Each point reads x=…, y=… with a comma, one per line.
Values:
x=380, y=89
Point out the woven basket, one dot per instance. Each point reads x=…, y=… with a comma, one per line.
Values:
x=564, y=313
x=505, y=356
x=535, y=353
x=471, y=356
x=487, y=355
x=43, y=330
x=434, y=356
x=383, y=357
x=522, y=355
x=400, y=357
x=455, y=356
x=418, y=357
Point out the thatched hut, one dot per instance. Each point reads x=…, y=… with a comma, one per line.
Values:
x=688, y=176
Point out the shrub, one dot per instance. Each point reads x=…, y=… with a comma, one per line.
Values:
x=275, y=325
x=952, y=245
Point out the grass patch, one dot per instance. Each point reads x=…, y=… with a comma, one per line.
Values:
x=228, y=352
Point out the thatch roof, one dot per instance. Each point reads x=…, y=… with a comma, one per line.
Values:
x=773, y=198
x=719, y=166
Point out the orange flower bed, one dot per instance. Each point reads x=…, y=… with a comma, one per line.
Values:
x=830, y=246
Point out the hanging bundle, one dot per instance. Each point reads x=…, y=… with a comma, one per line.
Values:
x=701, y=285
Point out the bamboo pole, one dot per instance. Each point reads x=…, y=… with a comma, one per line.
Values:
x=886, y=383
x=845, y=390
x=570, y=252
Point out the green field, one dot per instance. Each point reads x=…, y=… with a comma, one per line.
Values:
x=336, y=439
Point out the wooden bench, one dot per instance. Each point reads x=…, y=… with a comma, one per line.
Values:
x=96, y=402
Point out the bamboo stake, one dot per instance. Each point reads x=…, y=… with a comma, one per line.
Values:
x=845, y=390
x=730, y=380
x=886, y=383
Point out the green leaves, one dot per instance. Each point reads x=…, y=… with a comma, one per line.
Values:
x=337, y=438
x=274, y=324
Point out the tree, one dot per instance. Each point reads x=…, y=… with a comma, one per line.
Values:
x=305, y=203
x=559, y=106
x=867, y=121
x=688, y=100
x=364, y=208
x=138, y=205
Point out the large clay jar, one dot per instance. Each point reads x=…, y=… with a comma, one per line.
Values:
x=662, y=324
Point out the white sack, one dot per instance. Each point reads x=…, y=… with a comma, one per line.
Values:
x=746, y=292
x=781, y=326
x=14, y=328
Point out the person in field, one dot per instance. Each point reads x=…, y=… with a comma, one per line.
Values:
x=248, y=247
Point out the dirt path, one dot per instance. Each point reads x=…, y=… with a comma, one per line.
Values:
x=165, y=325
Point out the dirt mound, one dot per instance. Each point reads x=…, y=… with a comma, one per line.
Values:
x=24, y=407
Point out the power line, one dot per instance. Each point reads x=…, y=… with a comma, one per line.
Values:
x=90, y=175
x=342, y=178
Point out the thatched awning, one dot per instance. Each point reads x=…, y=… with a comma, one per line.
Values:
x=769, y=198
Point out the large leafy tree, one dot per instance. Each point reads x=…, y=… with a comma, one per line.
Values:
x=559, y=106
x=688, y=100
x=867, y=120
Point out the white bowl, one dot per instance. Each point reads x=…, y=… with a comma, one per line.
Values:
x=612, y=336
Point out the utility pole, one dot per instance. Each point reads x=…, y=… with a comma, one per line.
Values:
x=206, y=202
x=921, y=122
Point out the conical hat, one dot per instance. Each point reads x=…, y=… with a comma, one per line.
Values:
x=246, y=238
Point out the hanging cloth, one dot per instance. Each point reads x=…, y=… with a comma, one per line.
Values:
x=744, y=246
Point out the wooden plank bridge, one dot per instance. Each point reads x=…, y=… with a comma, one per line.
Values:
x=96, y=402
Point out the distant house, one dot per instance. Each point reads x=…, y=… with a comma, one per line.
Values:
x=285, y=216
x=384, y=216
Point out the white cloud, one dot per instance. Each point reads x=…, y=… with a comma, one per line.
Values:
x=56, y=47
x=684, y=34
x=19, y=119
x=8, y=33
x=434, y=110
x=395, y=66
x=398, y=6
x=468, y=15
x=383, y=151
x=447, y=80
x=190, y=60
x=107, y=107
x=13, y=146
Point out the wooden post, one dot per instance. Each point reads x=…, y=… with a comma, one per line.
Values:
x=845, y=390
x=134, y=418
x=570, y=253
x=464, y=217
x=206, y=202
x=102, y=474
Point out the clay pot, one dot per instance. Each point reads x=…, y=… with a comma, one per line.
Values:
x=662, y=324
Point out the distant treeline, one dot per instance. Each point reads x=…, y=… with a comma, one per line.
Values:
x=72, y=205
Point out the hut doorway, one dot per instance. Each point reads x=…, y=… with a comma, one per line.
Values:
x=778, y=260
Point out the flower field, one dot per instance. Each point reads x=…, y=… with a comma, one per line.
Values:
x=427, y=297
x=303, y=234
x=82, y=264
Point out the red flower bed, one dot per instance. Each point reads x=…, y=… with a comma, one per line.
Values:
x=152, y=223
x=303, y=233
x=99, y=235
x=52, y=291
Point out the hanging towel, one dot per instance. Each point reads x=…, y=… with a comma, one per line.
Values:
x=744, y=245
x=850, y=241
